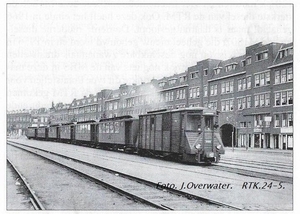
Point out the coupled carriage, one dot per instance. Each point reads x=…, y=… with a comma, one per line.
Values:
x=188, y=134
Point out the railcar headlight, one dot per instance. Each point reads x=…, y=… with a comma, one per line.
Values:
x=211, y=155
x=198, y=146
x=219, y=147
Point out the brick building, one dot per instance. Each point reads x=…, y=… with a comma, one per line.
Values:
x=19, y=120
x=253, y=92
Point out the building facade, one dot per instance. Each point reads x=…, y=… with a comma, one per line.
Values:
x=253, y=92
x=19, y=120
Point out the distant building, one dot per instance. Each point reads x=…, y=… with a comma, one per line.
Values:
x=59, y=113
x=83, y=109
x=40, y=117
x=19, y=120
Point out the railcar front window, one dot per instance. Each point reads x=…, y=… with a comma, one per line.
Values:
x=193, y=122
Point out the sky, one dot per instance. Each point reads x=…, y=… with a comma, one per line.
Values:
x=60, y=52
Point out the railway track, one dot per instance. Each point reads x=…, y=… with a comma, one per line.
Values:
x=281, y=172
x=250, y=168
x=132, y=187
x=254, y=174
x=33, y=199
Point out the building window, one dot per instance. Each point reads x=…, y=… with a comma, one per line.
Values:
x=249, y=82
x=290, y=74
x=276, y=120
x=230, y=67
x=262, y=100
x=195, y=92
x=248, y=61
x=205, y=90
x=213, y=89
x=198, y=91
x=217, y=70
x=290, y=97
x=258, y=120
x=262, y=79
x=284, y=98
x=212, y=105
x=194, y=75
x=205, y=72
x=231, y=86
x=284, y=120
x=284, y=75
x=223, y=88
x=227, y=105
x=249, y=102
x=183, y=78
x=162, y=84
x=290, y=119
x=267, y=75
x=243, y=63
x=180, y=94
x=115, y=105
x=285, y=52
x=267, y=99
x=257, y=83
x=262, y=56
x=227, y=87
x=256, y=101
x=172, y=81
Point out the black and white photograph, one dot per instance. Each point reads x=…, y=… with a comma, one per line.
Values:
x=135, y=106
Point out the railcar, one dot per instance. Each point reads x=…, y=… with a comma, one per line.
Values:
x=53, y=133
x=67, y=132
x=42, y=133
x=31, y=132
x=118, y=133
x=85, y=133
x=189, y=134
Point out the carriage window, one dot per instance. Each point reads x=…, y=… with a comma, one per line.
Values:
x=193, y=122
x=152, y=123
x=117, y=127
x=208, y=122
x=103, y=128
x=111, y=127
x=106, y=127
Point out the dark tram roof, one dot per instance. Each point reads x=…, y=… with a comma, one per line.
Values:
x=178, y=110
x=116, y=118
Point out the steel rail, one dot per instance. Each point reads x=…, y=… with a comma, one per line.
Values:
x=149, y=183
x=34, y=200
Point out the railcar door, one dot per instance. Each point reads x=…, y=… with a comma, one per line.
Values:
x=208, y=133
x=58, y=133
x=94, y=133
x=35, y=133
x=127, y=132
x=72, y=133
x=46, y=133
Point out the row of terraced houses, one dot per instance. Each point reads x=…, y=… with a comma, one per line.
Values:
x=253, y=92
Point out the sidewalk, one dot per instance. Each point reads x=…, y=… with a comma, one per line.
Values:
x=243, y=149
